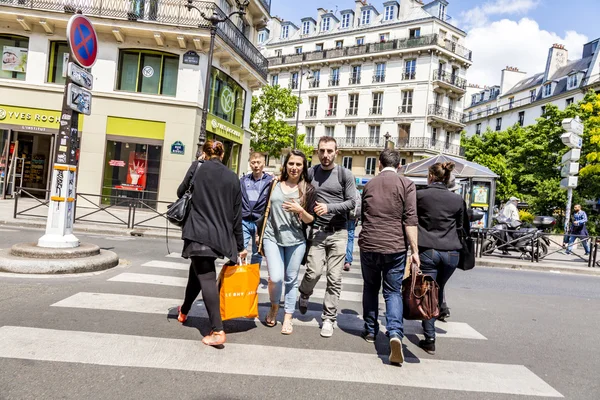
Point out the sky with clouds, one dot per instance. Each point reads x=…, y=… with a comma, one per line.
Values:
x=501, y=33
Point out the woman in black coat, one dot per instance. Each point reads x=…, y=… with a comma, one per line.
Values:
x=213, y=229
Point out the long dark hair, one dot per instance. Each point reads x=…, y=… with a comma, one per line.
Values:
x=304, y=187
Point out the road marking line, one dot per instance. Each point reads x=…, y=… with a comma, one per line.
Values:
x=174, y=255
x=158, y=305
x=263, y=273
x=257, y=360
x=181, y=282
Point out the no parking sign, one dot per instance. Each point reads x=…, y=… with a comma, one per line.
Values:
x=83, y=40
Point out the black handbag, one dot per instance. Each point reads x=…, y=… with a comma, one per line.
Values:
x=178, y=211
x=467, y=252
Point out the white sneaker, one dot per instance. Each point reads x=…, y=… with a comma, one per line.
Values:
x=327, y=329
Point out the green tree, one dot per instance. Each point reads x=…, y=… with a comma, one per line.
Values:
x=272, y=135
x=589, y=174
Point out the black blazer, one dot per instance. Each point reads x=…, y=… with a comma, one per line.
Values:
x=215, y=217
x=441, y=214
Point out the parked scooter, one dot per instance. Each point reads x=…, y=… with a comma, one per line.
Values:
x=510, y=236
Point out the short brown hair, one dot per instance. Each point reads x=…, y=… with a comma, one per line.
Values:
x=441, y=172
x=213, y=148
x=327, y=139
x=256, y=154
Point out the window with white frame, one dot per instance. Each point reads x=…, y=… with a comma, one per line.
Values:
x=285, y=31
x=360, y=41
x=370, y=165
x=325, y=24
x=407, y=102
x=498, y=124
x=319, y=47
x=329, y=130
x=573, y=81
x=379, y=75
x=274, y=80
x=346, y=20
x=353, y=103
x=312, y=105
x=442, y=12
x=377, y=108
x=473, y=99
x=374, y=132
x=388, y=14
x=521, y=118
x=410, y=69
x=478, y=129
x=339, y=44
x=332, y=102
x=306, y=27
x=365, y=17
x=262, y=36
x=350, y=134
x=532, y=95
x=414, y=33
x=547, y=89
x=298, y=50
x=310, y=134
x=347, y=162
x=434, y=135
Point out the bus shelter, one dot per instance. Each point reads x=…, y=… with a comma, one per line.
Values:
x=477, y=183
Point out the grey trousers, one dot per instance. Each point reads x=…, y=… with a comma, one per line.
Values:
x=327, y=252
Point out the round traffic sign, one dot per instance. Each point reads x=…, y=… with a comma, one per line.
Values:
x=83, y=40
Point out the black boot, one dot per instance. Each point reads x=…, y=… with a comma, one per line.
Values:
x=428, y=345
x=444, y=313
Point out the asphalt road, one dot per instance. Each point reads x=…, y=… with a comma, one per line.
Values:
x=538, y=336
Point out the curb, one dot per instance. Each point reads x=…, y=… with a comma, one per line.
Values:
x=540, y=268
x=21, y=265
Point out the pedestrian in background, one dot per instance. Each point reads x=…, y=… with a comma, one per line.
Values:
x=441, y=216
x=213, y=229
x=353, y=218
x=510, y=209
x=328, y=236
x=579, y=230
x=389, y=227
x=283, y=241
x=255, y=189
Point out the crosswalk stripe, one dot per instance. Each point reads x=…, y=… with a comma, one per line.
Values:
x=263, y=274
x=174, y=255
x=157, y=305
x=163, y=280
x=188, y=355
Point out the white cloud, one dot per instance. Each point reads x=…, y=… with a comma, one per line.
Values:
x=480, y=15
x=522, y=44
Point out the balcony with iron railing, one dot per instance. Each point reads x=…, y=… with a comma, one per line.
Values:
x=378, y=78
x=354, y=80
x=406, y=109
x=376, y=110
x=373, y=48
x=311, y=114
x=352, y=112
x=166, y=12
x=402, y=144
x=450, y=80
x=510, y=105
x=409, y=75
x=334, y=82
x=314, y=83
x=446, y=114
x=293, y=85
x=331, y=112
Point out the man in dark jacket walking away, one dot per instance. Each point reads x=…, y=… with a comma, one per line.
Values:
x=255, y=190
x=389, y=228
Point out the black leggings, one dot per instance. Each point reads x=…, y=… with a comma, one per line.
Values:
x=204, y=277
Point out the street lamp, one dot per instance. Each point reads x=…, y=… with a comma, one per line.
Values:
x=214, y=20
x=309, y=77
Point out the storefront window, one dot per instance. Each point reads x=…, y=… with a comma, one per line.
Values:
x=4, y=159
x=227, y=98
x=14, y=56
x=148, y=72
x=131, y=170
x=59, y=51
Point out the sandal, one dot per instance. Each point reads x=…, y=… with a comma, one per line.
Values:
x=271, y=318
x=288, y=327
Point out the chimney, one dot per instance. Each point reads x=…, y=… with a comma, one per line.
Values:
x=510, y=77
x=358, y=4
x=557, y=58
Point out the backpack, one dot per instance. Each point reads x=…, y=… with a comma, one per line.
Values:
x=355, y=214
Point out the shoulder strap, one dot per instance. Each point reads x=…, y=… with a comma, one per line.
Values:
x=342, y=180
x=191, y=185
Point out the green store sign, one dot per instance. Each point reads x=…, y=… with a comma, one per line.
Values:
x=226, y=130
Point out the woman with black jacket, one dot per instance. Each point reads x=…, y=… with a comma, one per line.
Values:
x=441, y=216
x=213, y=229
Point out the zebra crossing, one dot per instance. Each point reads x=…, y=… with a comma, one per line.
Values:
x=121, y=350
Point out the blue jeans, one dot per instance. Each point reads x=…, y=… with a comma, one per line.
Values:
x=351, y=226
x=283, y=264
x=249, y=228
x=440, y=265
x=584, y=242
x=389, y=268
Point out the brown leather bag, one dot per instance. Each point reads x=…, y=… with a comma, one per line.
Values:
x=420, y=296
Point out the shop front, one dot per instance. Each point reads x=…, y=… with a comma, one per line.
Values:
x=27, y=145
x=226, y=116
x=132, y=161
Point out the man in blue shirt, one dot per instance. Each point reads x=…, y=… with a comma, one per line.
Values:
x=579, y=229
x=254, y=201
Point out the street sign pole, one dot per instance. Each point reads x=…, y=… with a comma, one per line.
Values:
x=83, y=45
x=571, y=138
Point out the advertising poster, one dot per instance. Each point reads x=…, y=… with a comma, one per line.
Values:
x=136, y=172
x=480, y=195
x=14, y=59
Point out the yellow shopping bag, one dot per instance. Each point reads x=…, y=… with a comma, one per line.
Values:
x=238, y=288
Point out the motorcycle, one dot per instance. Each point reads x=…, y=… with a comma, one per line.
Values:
x=510, y=236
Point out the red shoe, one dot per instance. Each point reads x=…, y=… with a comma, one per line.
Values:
x=214, y=339
x=181, y=317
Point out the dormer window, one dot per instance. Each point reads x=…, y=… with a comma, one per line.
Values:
x=306, y=27
x=473, y=99
x=389, y=13
x=262, y=37
x=285, y=31
x=442, y=12
x=365, y=18
x=325, y=24
x=547, y=89
x=573, y=81
x=346, y=20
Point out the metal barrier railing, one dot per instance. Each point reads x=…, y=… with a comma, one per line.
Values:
x=534, y=246
x=92, y=207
